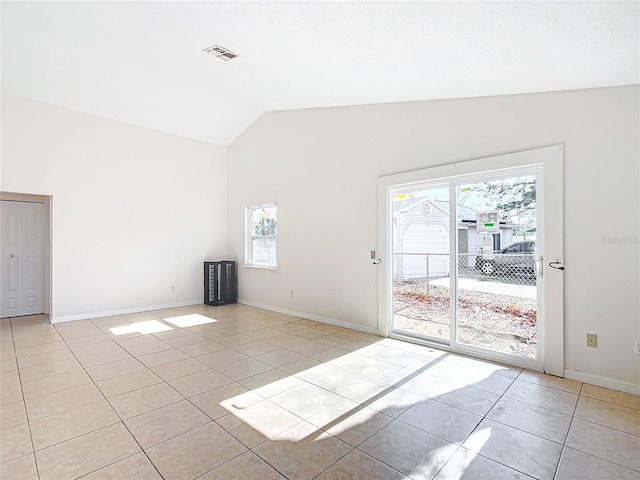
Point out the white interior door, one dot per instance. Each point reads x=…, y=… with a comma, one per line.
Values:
x=22, y=258
x=544, y=168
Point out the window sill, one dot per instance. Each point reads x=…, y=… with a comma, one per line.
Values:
x=261, y=267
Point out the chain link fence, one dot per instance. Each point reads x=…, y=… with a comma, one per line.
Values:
x=497, y=306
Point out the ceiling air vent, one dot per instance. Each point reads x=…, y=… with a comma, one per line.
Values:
x=221, y=53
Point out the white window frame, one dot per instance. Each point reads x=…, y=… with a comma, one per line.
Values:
x=250, y=237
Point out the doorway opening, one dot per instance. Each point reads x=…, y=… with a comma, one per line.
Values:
x=25, y=261
x=495, y=299
x=466, y=245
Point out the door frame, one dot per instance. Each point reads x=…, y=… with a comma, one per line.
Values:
x=47, y=200
x=551, y=160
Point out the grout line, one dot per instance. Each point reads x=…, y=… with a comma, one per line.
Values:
x=121, y=421
x=265, y=461
x=113, y=463
x=77, y=436
x=454, y=454
x=605, y=426
x=351, y=350
x=564, y=449
x=340, y=458
x=24, y=402
x=101, y=393
x=484, y=417
x=195, y=406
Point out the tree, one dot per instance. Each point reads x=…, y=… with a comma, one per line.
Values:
x=515, y=197
x=265, y=223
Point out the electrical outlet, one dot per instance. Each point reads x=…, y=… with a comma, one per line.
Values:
x=291, y=293
x=173, y=288
x=592, y=340
x=637, y=349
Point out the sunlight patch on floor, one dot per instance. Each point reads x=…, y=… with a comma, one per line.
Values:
x=191, y=320
x=150, y=326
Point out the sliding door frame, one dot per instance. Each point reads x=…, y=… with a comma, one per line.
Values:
x=550, y=184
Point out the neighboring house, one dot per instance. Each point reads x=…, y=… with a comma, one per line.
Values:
x=421, y=238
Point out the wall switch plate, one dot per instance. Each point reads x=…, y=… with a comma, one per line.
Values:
x=592, y=340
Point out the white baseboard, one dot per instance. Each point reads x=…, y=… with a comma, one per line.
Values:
x=602, y=381
x=88, y=316
x=309, y=316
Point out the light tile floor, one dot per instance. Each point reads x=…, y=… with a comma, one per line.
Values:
x=236, y=392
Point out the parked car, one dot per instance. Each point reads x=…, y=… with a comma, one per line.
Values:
x=518, y=257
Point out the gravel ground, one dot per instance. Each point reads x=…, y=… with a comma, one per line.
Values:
x=501, y=323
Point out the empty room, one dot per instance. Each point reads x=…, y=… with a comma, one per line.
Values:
x=320, y=240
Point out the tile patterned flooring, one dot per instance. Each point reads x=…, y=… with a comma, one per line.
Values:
x=236, y=392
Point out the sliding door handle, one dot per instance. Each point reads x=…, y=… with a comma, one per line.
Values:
x=538, y=267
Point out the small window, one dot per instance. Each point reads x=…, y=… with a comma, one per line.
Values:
x=496, y=242
x=261, y=231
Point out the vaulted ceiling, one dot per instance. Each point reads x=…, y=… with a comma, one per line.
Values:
x=143, y=62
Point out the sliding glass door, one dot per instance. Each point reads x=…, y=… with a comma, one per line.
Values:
x=465, y=267
x=464, y=263
x=422, y=262
x=497, y=282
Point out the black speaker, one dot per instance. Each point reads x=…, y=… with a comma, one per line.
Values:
x=220, y=283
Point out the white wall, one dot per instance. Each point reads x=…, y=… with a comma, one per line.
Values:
x=322, y=165
x=135, y=211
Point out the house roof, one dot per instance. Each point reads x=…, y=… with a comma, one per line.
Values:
x=143, y=62
x=401, y=206
x=465, y=214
